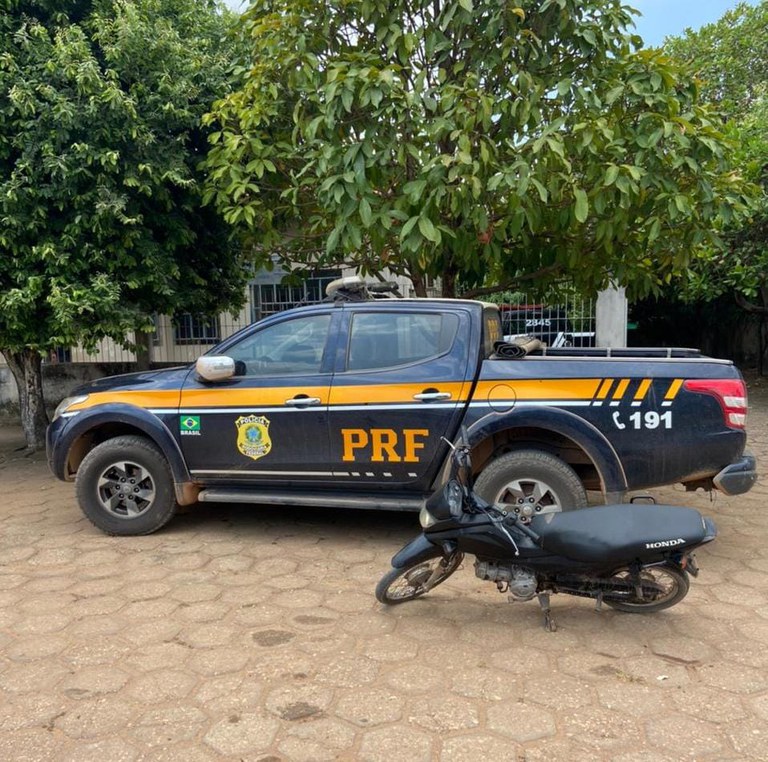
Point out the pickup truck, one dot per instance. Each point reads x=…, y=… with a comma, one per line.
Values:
x=354, y=404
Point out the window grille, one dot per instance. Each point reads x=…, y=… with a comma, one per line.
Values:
x=196, y=329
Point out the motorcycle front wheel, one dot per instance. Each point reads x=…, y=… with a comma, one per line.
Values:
x=405, y=584
x=657, y=588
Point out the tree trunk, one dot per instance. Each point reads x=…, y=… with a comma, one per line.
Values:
x=26, y=367
x=419, y=286
x=143, y=350
x=448, y=277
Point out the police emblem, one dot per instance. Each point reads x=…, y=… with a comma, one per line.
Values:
x=253, y=436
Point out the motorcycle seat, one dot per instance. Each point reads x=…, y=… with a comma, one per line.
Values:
x=621, y=533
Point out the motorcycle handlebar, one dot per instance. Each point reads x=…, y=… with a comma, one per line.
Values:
x=524, y=528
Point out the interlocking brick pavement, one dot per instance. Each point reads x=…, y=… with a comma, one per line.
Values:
x=253, y=634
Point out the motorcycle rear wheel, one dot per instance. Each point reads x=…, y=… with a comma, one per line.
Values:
x=661, y=586
x=401, y=585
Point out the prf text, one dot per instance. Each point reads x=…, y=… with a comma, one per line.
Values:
x=383, y=445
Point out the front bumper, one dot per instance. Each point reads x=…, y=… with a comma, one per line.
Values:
x=739, y=477
x=53, y=437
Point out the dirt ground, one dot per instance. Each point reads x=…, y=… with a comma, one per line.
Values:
x=252, y=633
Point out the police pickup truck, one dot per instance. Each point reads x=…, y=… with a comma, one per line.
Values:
x=354, y=403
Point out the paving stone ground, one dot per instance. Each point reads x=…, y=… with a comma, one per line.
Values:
x=253, y=634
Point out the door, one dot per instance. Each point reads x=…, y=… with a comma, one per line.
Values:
x=401, y=384
x=270, y=421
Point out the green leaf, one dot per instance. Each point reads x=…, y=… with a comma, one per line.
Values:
x=467, y=5
x=409, y=225
x=610, y=175
x=543, y=193
x=366, y=216
x=581, y=209
x=428, y=230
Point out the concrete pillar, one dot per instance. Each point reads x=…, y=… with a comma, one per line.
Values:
x=611, y=318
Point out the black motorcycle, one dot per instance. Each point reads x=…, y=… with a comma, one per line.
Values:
x=632, y=557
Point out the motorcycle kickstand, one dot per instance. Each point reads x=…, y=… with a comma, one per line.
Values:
x=549, y=620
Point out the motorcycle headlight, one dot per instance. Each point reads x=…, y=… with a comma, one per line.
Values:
x=453, y=496
x=67, y=402
x=426, y=519
x=446, y=501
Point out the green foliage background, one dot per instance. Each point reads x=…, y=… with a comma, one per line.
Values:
x=482, y=142
x=101, y=221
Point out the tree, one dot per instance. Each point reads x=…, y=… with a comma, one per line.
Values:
x=491, y=144
x=101, y=222
x=730, y=60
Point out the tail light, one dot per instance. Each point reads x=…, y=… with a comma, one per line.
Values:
x=730, y=393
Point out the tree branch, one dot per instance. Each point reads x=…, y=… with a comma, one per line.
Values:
x=748, y=306
x=485, y=290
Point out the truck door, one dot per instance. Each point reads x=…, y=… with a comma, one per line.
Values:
x=270, y=421
x=401, y=384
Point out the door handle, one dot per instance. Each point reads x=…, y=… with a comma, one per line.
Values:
x=303, y=401
x=432, y=396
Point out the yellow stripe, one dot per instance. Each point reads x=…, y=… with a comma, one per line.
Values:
x=673, y=389
x=392, y=393
x=250, y=396
x=275, y=395
x=604, y=388
x=544, y=389
x=621, y=388
x=642, y=390
x=140, y=398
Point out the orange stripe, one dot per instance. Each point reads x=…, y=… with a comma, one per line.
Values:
x=621, y=388
x=673, y=389
x=250, y=397
x=392, y=393
x=140, y=398
x=604, y=388
x=543, y=389
x=642, y=389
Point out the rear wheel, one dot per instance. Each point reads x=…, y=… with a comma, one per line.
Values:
x=531, y=482
x=400, y=585
x=654, y=589
x=125, y=486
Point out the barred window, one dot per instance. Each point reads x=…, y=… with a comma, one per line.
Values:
x=196, y=329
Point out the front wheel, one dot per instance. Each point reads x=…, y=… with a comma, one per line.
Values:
x=400, y=585
x=654, y=589
x=125, y=486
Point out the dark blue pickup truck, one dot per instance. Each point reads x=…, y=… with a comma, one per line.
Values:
x=353, y=404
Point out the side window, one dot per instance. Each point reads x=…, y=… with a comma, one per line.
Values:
x=385, y=340
x=293, y=346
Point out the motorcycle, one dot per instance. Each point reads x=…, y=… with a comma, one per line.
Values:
x=632, y=557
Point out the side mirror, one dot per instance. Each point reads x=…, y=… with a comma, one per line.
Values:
x=215, y=367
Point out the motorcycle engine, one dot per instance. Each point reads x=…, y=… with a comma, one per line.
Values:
x=521, y=582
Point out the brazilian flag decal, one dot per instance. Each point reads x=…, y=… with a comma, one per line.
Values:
x=189, y=425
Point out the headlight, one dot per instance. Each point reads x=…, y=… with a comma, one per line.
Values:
x=67, y=402
x=453, y=496
x=426, y=519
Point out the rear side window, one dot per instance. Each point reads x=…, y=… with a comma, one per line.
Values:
x=386, y=340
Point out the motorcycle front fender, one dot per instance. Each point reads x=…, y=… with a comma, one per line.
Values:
x=420, y=548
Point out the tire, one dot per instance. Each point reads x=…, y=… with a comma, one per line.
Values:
x=413, y=577
x=662, y=587
x=116, y=504
x=531, y=482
